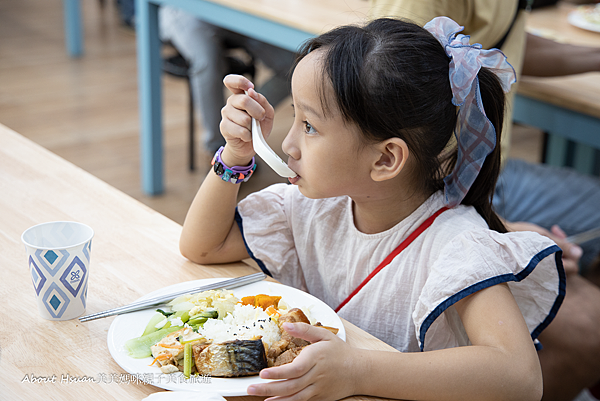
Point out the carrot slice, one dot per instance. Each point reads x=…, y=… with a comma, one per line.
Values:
x=159, y=357
x=271, y=311
x=173, y=346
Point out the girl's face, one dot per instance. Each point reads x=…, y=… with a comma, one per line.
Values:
x=323, y=149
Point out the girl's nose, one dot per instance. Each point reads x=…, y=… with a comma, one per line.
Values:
x=289, y=146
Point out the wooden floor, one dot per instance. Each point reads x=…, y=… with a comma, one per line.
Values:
x=86, y=109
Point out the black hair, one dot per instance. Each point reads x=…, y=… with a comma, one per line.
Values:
x=391, y=78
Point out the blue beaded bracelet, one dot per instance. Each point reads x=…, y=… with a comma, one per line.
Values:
x=234, y=175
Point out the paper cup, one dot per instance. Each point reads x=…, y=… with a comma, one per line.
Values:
x=58, y=254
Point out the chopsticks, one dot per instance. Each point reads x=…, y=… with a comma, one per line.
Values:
x=163, y=299
x=584, y=236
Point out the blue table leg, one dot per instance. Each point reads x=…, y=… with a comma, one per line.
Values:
x=73, y=33
x=149, y=75
x=584, y=159
x=556, y=153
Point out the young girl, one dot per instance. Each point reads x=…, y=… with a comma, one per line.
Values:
x=388, y=221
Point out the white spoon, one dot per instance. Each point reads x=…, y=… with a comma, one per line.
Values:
x=267, y=154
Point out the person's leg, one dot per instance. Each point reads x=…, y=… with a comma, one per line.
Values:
x=570, y=357
x=547, y=195
x=201, y=45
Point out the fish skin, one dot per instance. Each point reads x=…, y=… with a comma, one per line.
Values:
x=231, y=359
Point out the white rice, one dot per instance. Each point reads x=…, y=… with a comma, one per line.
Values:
x=246, y=323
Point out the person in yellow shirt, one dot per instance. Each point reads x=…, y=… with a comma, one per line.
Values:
x=570, y=357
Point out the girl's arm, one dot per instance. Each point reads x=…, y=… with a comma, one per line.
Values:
x=210, y=234
x=501, y=363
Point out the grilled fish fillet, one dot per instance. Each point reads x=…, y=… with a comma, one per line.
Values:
x=231, y=358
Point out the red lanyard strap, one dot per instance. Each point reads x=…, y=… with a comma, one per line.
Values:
x=394, y=253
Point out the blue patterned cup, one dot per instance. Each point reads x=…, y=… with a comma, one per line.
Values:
x=58, y=253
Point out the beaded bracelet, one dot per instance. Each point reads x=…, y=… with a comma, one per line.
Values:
x=234, y=175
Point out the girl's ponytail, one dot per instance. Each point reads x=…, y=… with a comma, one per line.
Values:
x=481, y=192
x=479, y=93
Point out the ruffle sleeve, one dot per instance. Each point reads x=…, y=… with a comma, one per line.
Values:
x=265, y=223
x=530, y=263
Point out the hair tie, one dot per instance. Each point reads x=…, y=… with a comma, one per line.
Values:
x=475, y=134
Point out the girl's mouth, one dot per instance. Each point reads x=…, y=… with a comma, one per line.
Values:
x=293, y=180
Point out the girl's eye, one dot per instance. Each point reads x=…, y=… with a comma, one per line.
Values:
x=309, y=128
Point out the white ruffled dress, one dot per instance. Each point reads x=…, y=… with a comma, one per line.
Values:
x=314, y=245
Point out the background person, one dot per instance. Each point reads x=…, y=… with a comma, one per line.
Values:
x=205, y=47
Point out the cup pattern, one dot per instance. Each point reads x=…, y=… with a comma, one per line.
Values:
x=55, y=300
x=38, y=278
x=51, y=260
x=59, y=263
x=60, y=277
x=83, y=295
x=74, y=276
x=87, y=249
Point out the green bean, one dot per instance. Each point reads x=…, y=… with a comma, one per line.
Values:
x=197, y=320
x=187, y=360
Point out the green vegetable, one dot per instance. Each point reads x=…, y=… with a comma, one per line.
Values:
x=187, y=360
x=200, y=318
x=166, y=314
x=197, y=321
x=162, y=315
x=151, y=326
x=213, y=314
x=184, y=315
x=139, y=347
x=180, y=299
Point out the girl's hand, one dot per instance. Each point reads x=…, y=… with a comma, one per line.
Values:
x=236, y=123
x=322, y=371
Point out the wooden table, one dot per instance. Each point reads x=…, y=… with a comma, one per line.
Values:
x=568, y=108
x=135, y=251
x=283, y=23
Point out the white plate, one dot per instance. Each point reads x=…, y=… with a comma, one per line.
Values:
x=131, y=325
x=577, y=19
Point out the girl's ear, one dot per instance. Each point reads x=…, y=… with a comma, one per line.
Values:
x=391, y=157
